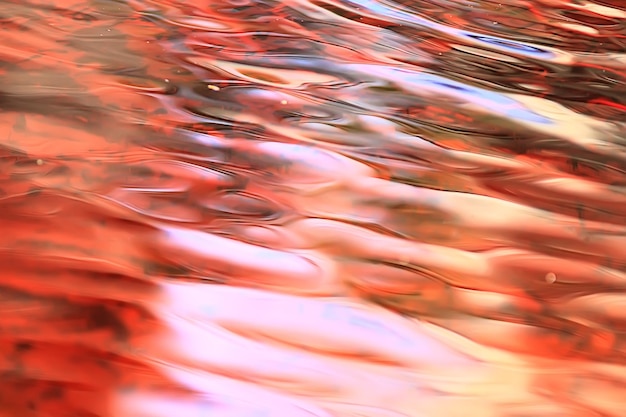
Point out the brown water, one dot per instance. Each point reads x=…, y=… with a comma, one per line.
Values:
x=313, y=208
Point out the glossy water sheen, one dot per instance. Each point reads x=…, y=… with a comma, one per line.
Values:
x=313, y=208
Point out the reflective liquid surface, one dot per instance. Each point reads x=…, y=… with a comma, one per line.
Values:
x=312, y=208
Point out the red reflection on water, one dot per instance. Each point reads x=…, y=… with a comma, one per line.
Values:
x=312, y=208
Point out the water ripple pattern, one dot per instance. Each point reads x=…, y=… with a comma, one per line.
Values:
x=330, y=208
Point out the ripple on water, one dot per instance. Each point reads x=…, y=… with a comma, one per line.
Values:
x=312, y=208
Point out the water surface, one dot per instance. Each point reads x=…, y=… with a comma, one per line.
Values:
x=312, y=208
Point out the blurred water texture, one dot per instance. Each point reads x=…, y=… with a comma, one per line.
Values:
x=334, y=208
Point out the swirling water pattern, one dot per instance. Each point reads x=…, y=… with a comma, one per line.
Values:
x=295, y=208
